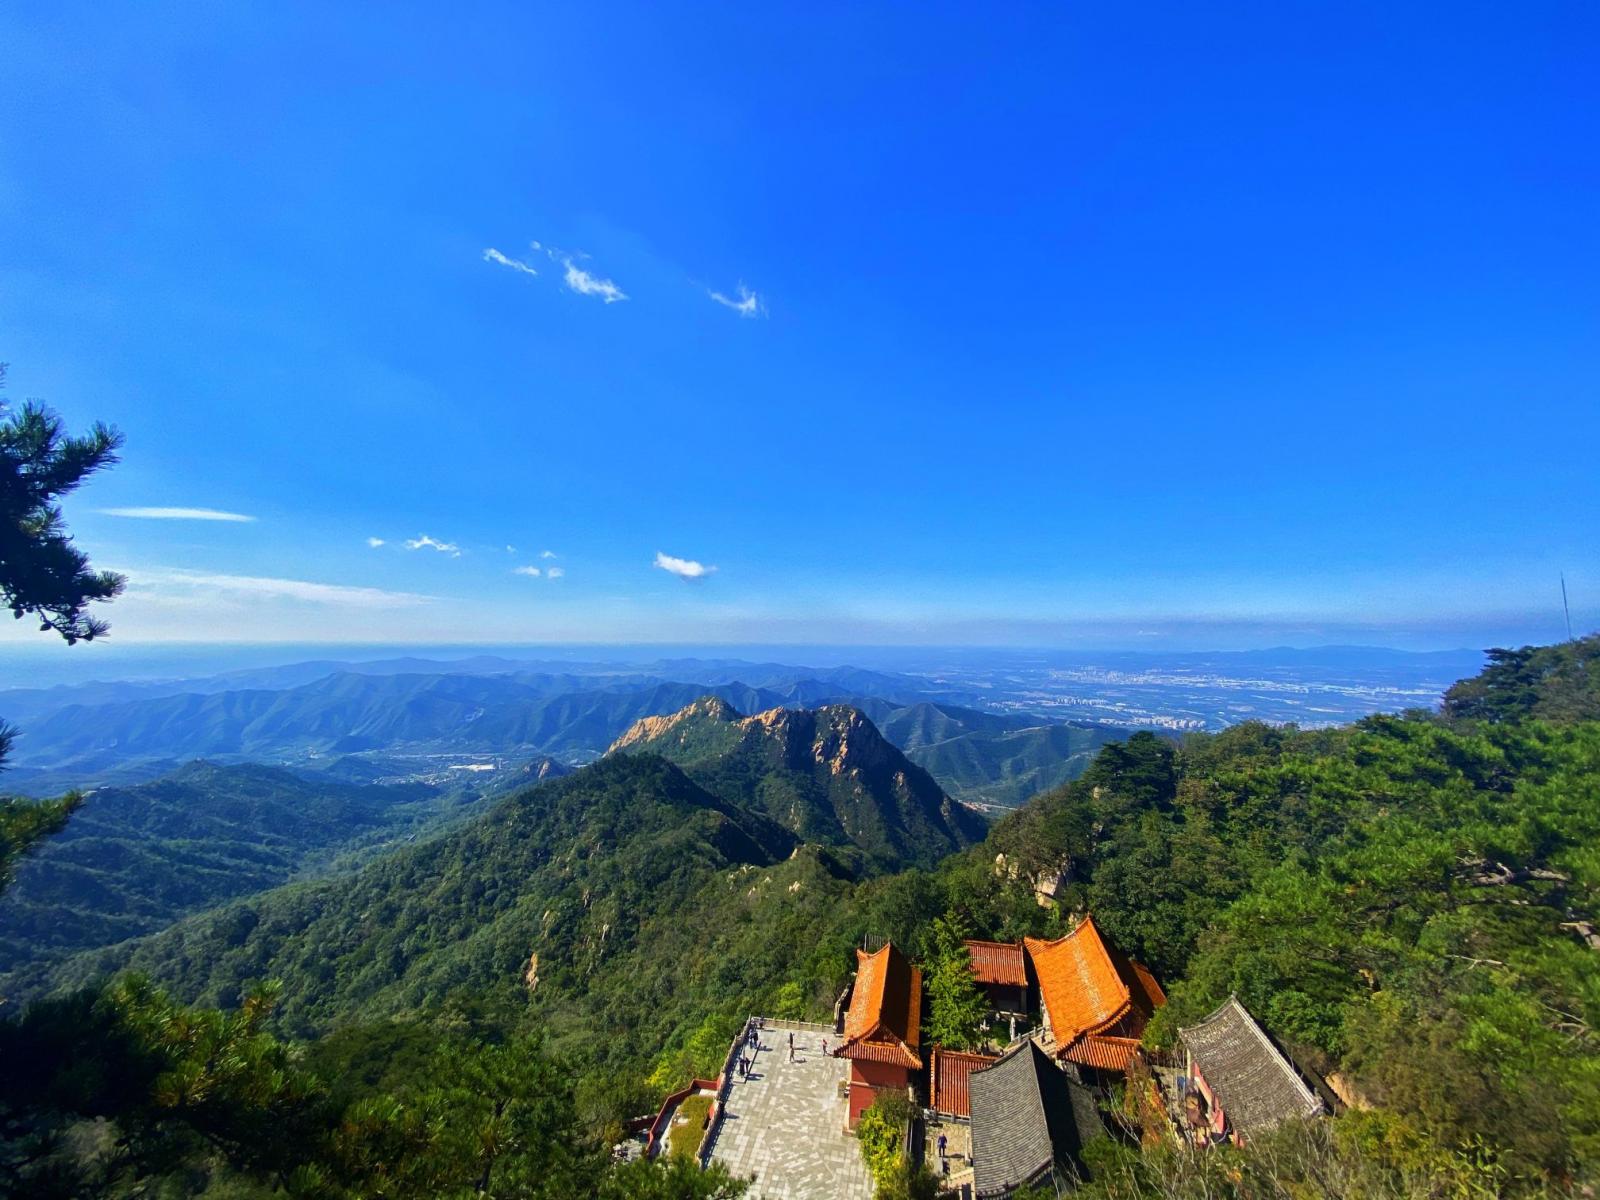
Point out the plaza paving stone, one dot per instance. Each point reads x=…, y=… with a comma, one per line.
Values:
x=785, y=1122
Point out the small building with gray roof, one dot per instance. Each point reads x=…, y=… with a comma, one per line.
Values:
x=1240, y=1085
x=1030, y=1121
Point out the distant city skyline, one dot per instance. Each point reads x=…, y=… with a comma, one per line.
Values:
x=1172, y=328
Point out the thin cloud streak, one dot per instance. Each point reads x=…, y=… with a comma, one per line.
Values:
x=423, y=542
x=516, y=264
x=177, y=514
x=530, y=572
x=683, y=568
x=151, y=584
x=375, y=542
x=747, y=305
x=586, y=284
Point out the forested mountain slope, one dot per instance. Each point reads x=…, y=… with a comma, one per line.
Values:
x=914, y=727
x=1003, y=769
x=569, y=870
x=461, y=904
x=135, y=859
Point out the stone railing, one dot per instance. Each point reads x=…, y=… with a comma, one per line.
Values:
x=669, y=1106
x=723, y=1083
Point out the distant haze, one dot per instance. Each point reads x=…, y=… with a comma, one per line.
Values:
x=41, y=663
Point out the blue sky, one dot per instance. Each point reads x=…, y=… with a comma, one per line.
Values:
x=1205, y=325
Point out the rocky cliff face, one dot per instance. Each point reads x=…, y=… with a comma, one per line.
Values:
x=540, y=769
x=826, y=774
x=652, y=733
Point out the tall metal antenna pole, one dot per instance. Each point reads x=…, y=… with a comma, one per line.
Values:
x=1565, y=611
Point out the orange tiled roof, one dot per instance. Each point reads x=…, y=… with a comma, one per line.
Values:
x=884, y=1023
x=895, y=1053
x=1086, y=986
x=1147, y=992
x=998, y=962
x=1106, y=1053
x=951, y=1070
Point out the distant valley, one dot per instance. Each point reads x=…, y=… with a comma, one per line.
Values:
x=406, y=725
x=993, y=728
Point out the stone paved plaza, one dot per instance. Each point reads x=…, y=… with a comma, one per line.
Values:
x=785, y=1123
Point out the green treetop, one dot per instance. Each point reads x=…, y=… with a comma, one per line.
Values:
x=956, y=1005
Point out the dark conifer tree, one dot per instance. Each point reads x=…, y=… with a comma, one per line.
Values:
x=42, y=574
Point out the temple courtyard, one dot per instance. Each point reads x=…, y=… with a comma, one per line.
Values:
x=785, y=1122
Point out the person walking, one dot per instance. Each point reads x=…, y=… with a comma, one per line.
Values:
x=943, y=1142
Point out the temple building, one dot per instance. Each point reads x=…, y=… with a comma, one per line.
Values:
x=1002, y=974
x=1030, y=1121
x=1239, y=1083
x=882, y=1027
x=1095, y=1002
x=948, y=1075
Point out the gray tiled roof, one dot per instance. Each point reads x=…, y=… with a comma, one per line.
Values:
x=1027, y=1115
x=1256, y=1085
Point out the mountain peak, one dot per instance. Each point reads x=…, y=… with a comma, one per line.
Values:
x=544, y=767
x=827, y=774
x=839, y=737
x=707, y=709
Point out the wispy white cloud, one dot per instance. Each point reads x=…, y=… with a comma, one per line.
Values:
x=423, y=542
x=531, y=572
x=747, y=305
x=375, y=542
x=175, y=582
x=683, y=568
x=585, y=284
x=548, y=554
x=511, y=549
x=176, y=514
x=516, y=264
x=555, y=572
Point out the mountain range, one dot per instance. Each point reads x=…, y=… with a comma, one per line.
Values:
x=1406, y=904
x=412, y=713
x=551, y=881
x=347, y=712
